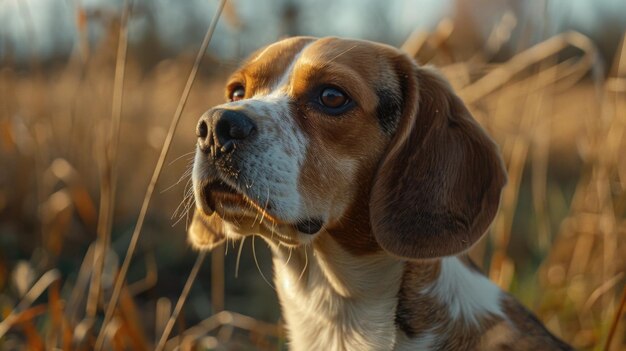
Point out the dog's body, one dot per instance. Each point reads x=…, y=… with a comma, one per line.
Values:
x=369, y=179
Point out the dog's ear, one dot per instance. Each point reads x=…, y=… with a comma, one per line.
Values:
x=205, y=233
x=438, y=187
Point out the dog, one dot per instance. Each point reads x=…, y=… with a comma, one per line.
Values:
x=370, y=180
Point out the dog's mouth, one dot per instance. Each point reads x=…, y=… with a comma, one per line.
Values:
x=230, y=204
x=221, y=194
x=218, y=196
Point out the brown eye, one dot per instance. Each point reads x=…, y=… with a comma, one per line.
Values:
x=238, y=93
x=333, y=98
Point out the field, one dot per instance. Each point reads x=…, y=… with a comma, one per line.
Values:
x=80, y=138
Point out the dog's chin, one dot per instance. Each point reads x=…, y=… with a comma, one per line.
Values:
x=210, y=231
x=205, y=232
x=234, y=216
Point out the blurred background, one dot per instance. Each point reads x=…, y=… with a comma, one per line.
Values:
x=546, y=78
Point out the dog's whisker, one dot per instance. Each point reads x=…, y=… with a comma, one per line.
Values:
x=186, y=211
x=238, y=256
x=181, y=156
x=265, y=206
x=188, y=195
x=186, y=174
x=306, y=263
x=272, y=233
x=184, y=204
x=249, y=206
x=256, y=262
x=256, y=216
x=288, y=257
x=187, y=217
x=178, y=221
x=188, y=199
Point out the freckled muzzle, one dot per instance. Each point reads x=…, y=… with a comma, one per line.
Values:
x=219, y=132
x=247, y=168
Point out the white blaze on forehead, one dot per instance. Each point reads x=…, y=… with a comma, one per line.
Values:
x=284, y=80
x=281, y=86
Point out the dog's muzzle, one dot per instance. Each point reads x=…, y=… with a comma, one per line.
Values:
x=221, y=133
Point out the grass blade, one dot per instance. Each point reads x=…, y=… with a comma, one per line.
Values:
x=119, y=282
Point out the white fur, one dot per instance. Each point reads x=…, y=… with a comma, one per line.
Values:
x=284, y=80
x=334, y=301
x=467, y=293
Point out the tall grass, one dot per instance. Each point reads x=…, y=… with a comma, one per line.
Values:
x=69, y=130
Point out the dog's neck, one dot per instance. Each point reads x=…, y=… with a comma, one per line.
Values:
x=336, y=301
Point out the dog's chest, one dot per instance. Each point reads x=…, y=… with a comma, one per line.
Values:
x=332, y=300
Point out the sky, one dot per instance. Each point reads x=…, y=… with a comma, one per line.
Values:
x=48, y=28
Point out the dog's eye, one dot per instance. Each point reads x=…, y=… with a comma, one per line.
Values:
x=237, y=93
x=333, y=98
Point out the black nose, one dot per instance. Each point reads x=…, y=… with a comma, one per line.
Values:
x=218, y=131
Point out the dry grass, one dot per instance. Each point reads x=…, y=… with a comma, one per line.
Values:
x=558, y=243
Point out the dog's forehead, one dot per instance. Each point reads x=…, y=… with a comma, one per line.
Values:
x=365, y=57
x=271, y=61
x=370, y=60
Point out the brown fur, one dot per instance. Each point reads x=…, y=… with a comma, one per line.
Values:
x=530, y=333
x=351, y=66
x=265, y=66
x=439, y=186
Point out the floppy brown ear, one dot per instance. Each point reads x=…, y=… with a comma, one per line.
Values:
x=438, y=187
x=205, y=233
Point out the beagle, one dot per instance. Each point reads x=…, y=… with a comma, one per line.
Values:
x=370, y=180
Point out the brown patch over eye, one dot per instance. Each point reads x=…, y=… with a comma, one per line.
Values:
x=333, y=98
x=237, y=93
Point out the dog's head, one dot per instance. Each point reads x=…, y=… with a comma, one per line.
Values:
x=345, y=137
